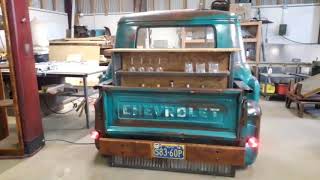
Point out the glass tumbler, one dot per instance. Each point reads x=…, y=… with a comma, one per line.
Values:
x=201, y=68
x=188, y=67
x=213, y=67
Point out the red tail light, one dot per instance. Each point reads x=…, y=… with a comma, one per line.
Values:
x=94, y=135
x=252, y=142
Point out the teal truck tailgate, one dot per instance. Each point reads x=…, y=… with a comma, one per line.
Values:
x=175, y=113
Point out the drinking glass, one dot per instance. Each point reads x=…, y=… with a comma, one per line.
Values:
x=141, y=68
x=188, y=67
x=201, y=68
x=213, y=67
x=132, y=68
x=159, y=68
x=150, y=68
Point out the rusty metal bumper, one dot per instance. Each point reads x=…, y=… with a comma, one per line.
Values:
x=224, y=155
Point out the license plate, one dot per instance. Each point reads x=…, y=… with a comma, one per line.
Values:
x=168, y=151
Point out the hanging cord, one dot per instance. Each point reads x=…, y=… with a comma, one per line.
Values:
x=67, y=141
x=298, y=42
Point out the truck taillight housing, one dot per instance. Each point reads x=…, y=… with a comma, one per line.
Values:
x=252, y=142
x=95, y=135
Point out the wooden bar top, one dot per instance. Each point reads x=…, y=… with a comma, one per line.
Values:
x=175, y=50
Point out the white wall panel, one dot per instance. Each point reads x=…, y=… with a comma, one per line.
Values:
x=303, y=23
x=57, y=22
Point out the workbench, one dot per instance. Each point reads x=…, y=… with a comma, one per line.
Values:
x=76, y=70
x=295, y=65
x=268, y=77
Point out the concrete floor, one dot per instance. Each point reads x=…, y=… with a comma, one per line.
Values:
x=290, y=149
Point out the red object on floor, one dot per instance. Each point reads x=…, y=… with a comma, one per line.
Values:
x=282, y=89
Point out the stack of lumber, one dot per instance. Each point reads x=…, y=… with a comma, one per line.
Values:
x=89, y=48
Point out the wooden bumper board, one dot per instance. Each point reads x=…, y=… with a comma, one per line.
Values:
x=226, y=155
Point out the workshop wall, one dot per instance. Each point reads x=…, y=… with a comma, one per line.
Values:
x=302, y=20
x=287, y=52
x=302, y=23
x=100, y=21
x=57, y=22
x=302, y=26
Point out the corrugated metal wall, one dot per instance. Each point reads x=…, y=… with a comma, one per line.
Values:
x=49, y=4
x=275, y=2
x=120, y=6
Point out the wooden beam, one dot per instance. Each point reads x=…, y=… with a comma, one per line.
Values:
x=55, y=5
x=106, y=7
x=140, y=5
x=279, y=1
x=10, y=27
x=194, y=50
x=93, y=6
x=80, y=6
x=258, y=2
x=149, y=5
x=137, y=5
x=120, y=6
x=144, y=5
x=44, y=4
x=185, y=4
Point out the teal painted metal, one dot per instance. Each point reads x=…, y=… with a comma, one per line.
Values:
x=213, y=113
x=224, y=123
x=228, y=33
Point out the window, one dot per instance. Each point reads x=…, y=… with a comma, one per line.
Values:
x=176, y=37
x=275, y=2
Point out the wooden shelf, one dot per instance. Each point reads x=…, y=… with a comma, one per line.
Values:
x=250, y=23
x=254, y=42
x=6, y=103
x=175, y=50
x=248, y=40
x=177, y=74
